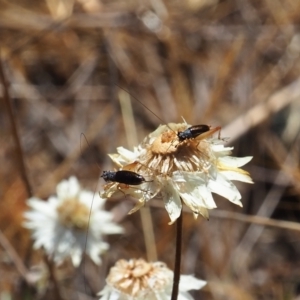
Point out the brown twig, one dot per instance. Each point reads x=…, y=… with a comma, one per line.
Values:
x=263, y=110
x=20, y=159
x=259, y=220
x=51, y=266
x=14, y=131
x=9, y=249
x=64, y=167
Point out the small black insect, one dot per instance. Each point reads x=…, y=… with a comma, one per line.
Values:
x=123, y=176
x=192, y=132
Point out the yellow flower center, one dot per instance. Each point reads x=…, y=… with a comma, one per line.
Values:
x=166, y=154
x=73, y=214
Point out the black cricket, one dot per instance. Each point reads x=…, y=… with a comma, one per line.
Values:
x=123, y=176
x=192, y=132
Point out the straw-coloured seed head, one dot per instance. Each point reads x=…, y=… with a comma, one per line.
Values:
x=137, y=279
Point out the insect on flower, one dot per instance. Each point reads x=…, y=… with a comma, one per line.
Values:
x=191, y=132
x=123, y=176
x=126, y=182
x=186, y=164
x=197, y=130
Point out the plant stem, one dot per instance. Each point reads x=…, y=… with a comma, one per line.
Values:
x=177, y=257
x=14, y=130
x=51, y=268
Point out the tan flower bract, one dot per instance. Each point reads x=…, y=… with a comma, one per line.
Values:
x=136, y=273
x=137, y=279
x=188, y=171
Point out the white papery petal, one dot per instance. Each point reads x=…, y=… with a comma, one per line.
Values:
x=184, y=296
x=226, y=189
x=68, y=188
x=95, y=255
x=117, y=160
x=197, y=203
x=105, y=293
x=206, y=197
x=171, y=199
x=76, y=257
x=60, y=240
x=158, y=296
x=203, y=212
x=212, y=172
x=127, y=155
x=43, y=206
x=234, y=162
x=105, y=217
x=232, y=175
x=89, y=199
x=193, y=191
x=189, y=282
x=219, y=149
x=190, y=186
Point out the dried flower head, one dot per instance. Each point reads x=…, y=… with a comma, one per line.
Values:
x=61, y=224
x=189, y=170
x=137, y=279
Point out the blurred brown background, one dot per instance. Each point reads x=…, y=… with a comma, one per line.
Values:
x=230, y=63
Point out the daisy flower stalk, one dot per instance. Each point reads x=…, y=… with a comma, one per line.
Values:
x=137, y=279
x=187, y=171
x=70, y=223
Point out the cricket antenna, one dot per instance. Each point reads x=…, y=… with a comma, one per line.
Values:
x=82, y=135
x=145, y=106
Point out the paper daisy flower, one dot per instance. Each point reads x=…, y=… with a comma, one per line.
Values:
x=61, y=224
x=137, y=279
x=188, y=170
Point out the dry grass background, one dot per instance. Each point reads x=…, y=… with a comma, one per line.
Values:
x=233, y=63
